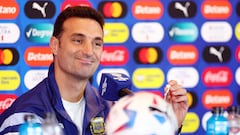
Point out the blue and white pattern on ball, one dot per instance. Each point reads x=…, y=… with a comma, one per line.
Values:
x=142, y=113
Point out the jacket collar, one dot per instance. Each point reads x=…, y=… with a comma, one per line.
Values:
x=56, y=97
x=94, y=103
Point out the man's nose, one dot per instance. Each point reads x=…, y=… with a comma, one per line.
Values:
x=88, y=48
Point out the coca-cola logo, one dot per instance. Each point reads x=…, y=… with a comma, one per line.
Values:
x=117, y=55
x=217, y=76
x=6, y=101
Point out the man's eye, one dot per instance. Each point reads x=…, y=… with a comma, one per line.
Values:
x=77, y=41
x=98, y=43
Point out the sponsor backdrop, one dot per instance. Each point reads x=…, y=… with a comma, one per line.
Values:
x=194, y=42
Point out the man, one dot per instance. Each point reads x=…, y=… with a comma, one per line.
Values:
x=76, y=44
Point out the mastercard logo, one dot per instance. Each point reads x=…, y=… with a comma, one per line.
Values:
x=113, y=9
x=147, y=55
x=8, y=56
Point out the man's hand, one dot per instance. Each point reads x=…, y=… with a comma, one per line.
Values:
x=177, y=97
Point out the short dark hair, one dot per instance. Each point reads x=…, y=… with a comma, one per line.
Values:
x=76, y=11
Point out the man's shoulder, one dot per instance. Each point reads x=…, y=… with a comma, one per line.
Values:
x=31, y=101
x=33, y=94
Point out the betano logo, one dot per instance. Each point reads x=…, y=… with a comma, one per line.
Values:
x=147, y=55
x=216, y=31
x=217, y=9
x=114, y=56
x=148, y=32
x=8, y=56
x=191, y=123
x=39, y=33
x=115, y=33
x=217, y=97
x=113, y=9
x=9, y=33
x=182, y=54
x=183, y=32
x=9, y=9
x=70, y=3
x=237, y=31
x=147, y=10
x=148, y=78
x=217, y=76
x=6, y=101
x=9, y=80
x=38, y=56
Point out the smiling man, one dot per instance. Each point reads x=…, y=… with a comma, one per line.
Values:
x=77, y=45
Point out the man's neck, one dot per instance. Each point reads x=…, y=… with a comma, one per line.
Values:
x=70, y=88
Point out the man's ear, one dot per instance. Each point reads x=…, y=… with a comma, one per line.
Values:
x=54, y=45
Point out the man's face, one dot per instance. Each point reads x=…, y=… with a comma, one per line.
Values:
x=79, y=48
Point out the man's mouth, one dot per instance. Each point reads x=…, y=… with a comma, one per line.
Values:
x=83, y=61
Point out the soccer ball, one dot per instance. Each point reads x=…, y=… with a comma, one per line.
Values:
x=142, y=113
